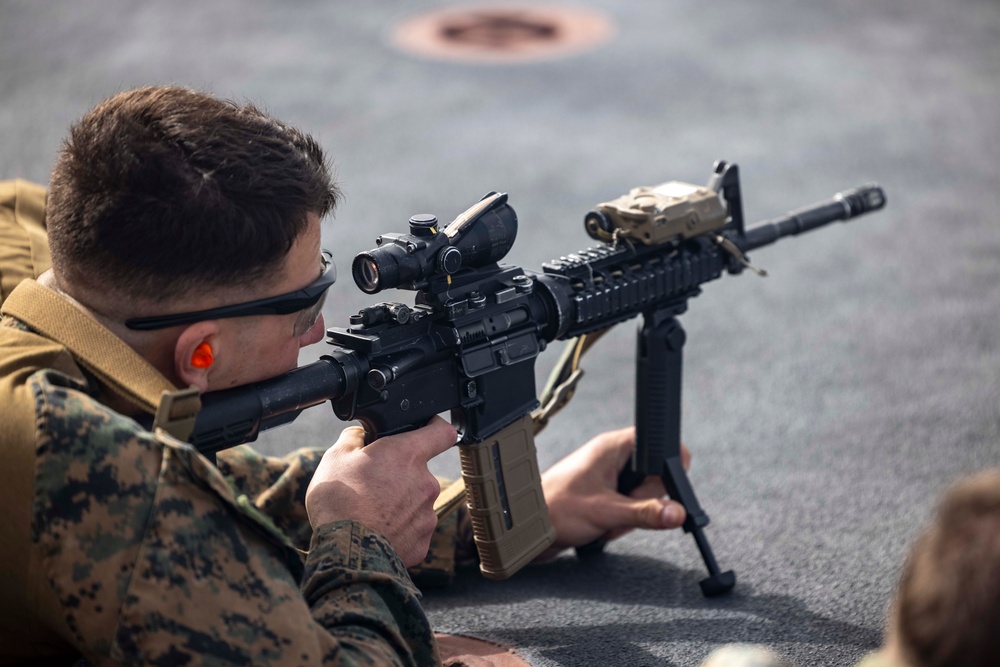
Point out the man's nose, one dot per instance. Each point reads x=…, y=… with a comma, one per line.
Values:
x=315, y=333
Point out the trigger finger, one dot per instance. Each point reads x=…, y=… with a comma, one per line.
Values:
x=352, y=437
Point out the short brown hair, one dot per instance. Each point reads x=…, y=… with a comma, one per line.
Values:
x=948, y=606
x=161, y=189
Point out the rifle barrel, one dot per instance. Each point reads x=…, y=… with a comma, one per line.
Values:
x=842, y=206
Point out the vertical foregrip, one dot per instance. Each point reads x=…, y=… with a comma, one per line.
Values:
x=659, y=352
x=658, y=396
x=658, y=432
x=510, y=520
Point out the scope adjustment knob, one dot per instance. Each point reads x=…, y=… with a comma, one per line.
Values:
x=423, y=224
x=450, y=260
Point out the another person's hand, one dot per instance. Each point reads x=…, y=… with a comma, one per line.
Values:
x=582, y=494
x=386, y=486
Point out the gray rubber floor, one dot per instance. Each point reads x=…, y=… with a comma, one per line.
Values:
x=827, y=405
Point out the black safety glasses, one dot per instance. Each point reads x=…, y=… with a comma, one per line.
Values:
x=307, y=301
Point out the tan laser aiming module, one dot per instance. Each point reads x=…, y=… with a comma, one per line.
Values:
x=658, y=214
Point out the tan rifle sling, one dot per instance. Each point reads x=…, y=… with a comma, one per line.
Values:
x=105, y=355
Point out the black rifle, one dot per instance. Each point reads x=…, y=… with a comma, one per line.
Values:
x=468, y=343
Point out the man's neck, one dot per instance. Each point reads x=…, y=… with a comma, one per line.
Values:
x=151, y=346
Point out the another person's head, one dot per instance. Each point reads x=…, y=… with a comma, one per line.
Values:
x=947, y=609
x=165, y=201
x=744, y=655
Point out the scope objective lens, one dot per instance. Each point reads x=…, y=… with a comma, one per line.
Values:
x=366, y=274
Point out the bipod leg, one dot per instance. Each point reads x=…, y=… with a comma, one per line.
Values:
x=659, y=371
x=679, y=488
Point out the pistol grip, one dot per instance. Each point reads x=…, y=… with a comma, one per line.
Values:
x=510, y=520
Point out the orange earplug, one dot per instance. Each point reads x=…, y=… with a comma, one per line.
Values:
x=202, y=357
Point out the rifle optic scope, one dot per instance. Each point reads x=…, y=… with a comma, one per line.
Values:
x=483, y=234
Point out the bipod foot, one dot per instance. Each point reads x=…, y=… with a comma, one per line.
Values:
x=718, y=584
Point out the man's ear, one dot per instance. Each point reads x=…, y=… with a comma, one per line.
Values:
x=194, y=353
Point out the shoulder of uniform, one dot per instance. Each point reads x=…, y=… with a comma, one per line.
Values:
x=60, y=398
x=24, y=245
x=74, y=429
x=92, y=454
x=23, y=352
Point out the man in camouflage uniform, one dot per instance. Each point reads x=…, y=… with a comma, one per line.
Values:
x=119, y=542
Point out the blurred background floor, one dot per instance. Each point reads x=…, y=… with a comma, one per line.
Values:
x=826, y=405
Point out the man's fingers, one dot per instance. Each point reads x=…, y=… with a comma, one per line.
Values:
x=352, y=437
x=437, y=437
x=424, y=443
x=651, y=487
x=672, y=515
x=621, y=443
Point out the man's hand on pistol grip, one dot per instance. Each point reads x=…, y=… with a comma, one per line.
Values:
x=385, y=485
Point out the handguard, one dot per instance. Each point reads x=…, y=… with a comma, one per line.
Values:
x=510, y=521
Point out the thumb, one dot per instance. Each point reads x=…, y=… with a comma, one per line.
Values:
x=651, y=513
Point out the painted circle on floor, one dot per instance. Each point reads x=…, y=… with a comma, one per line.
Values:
x=502, y=33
